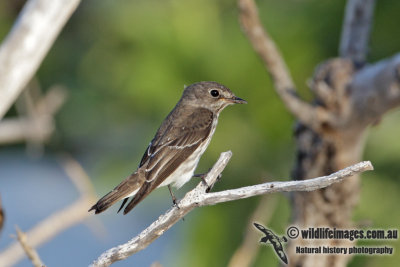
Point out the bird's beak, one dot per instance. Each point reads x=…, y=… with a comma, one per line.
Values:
x=237, y=100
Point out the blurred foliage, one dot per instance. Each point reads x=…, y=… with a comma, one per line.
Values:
x=125, y=63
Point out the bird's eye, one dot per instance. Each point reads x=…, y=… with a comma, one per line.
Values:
x=214, y=93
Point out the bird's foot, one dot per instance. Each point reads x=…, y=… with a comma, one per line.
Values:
x=174, y=201
x=202, y=176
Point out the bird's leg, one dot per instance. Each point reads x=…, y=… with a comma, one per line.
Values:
x=174, y=200
x=173, y=197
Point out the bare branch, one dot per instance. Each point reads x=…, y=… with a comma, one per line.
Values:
x=165, y=221
x=58, y=221
x=26, y=45
x=38, y=126
x=21, y=129
x=304, y=185
x=199, y=197
x=274, y=63
x=77, y=175
x=375, y=89
x=30, y=252
x=356, y=29
x=48, y=229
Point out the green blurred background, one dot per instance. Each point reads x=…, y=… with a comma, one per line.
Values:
x=125, y=63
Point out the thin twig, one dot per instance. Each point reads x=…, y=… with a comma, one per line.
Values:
x=37, y=127
x=199, y=197
x=77, y=174
x=26, y=108
x=58, y=221
x=356, y=30
x=28, y=42
x=17, y=130
x=48, y=229
x=30, y=252
x=266, y=188
x=313, y=116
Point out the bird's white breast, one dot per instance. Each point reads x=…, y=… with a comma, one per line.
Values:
x=186, y=170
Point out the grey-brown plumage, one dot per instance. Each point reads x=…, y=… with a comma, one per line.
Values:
x=174, y=152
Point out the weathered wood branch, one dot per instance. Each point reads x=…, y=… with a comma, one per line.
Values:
x=38, y=126
x=276, y=66
x=356, y=30
x=289, y=186
x=28, y=42
x=58, y=221
x=48, y=229
x=353, y=96
x=199, y=197
x=357, y=98
x=374, y=90
x=357, y=95
x=165, y=221
x=30, y=252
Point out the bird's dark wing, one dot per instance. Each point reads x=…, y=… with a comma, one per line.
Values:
x=172, y=145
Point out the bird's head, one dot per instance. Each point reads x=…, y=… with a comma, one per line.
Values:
x=211, y=95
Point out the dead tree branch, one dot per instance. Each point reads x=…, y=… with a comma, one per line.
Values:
x=375, y=89
x=58, y=221
x=353, y=95
x=28, y=42
x=275, y=65
x=37, y=126
x=199, y=197
x=30, y=252
x=356, y=30
x=267, y=188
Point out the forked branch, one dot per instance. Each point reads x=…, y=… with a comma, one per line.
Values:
x=58, y=221
x=312, y=116
x=30, y=252
x=199, y=197
x=25, y=47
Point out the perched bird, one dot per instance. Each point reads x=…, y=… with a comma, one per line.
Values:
x=274, y=240
x=174, y=152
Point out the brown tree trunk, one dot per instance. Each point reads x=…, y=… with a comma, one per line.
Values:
x=350, y=95
x=320, y=154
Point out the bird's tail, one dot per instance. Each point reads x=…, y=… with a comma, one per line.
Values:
x=125, y=188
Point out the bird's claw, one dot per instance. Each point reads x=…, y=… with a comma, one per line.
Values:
x=202, y=176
